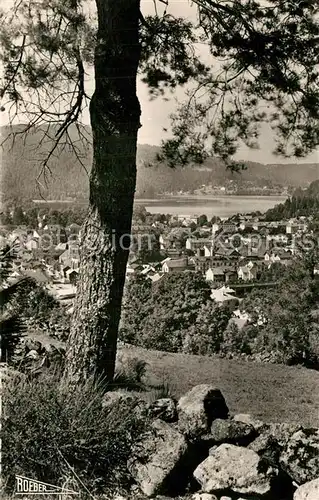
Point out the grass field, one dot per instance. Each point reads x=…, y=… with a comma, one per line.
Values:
x=273, y=393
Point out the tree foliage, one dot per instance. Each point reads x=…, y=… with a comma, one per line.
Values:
x=282, y=321
x=175, y=314
x=303, y=202
x=264, y=68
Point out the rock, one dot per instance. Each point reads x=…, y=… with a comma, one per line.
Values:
x=236, y=469
x=198, y=408
x=230, y=431
x=282, y=431
x=164, y=408
x=246, y=418
x=267, y=448
x=156, y=460
x=125, y=400
x=300, y=458
x=308, y=491
x=203, y=496
x=33, y=354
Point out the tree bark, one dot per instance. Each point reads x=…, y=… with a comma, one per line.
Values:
x=115, y=120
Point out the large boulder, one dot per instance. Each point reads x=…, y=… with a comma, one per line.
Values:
x=267, y=447
x=164, y=408
x=237, y=469
x=157, y=459
x=300, y=458
x=308, y=491
x=198, y=408
x=282, y=431
x=246, y=418
x=230, y=431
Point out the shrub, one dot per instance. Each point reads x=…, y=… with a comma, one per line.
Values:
x=47, y=429
x=129, y=372
x=236, y=341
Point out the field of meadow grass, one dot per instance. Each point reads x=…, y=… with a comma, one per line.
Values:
x=273, y=393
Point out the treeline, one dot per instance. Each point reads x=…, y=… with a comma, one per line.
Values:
x=304, y=202
x=176, y=314
x=34, y=217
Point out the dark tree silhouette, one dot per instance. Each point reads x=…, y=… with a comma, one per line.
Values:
x=264, y=69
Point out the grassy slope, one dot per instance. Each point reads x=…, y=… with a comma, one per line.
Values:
x=270, y=392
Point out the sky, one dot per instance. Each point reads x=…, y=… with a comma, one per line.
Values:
x=155, y=113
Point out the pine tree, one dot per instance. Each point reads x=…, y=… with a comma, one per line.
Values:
x=267, y=57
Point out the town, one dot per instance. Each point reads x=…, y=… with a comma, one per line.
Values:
x=241, y=252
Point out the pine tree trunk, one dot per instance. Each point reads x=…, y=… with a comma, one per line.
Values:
x=115, y=120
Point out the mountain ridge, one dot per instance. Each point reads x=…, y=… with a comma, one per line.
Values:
x=21, y=165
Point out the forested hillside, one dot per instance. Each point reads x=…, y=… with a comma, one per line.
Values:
x=303, y=202
x=21, y=164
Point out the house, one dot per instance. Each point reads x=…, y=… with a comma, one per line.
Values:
x=177, y=265
x=187, y=220
x=72, y=276
x=277, y=256
x=239, y=318
x=224, y=295
x=199, y=244
x=229, y=227
x=32, y=244
x=215, y=274
x=155, y=277
x=148, y=270
x=70, y=257
x=247, y=272
x=163, y=242
x=294, y=227
x=202, y=263
x=61, y=247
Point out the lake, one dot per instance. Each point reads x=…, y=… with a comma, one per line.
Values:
x=220, y=206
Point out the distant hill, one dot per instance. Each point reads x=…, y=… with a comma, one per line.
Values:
x=21, y=164
x=303, y=202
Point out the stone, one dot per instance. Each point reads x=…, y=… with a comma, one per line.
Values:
x=246, y=418
x=156, y=460
x=237, y=469
x=33, y=354
x=231, y=431
x=267, y=447
x=198, y=408
x=308, y=491
x=124, y=399
x=203, y=496
x=164, y=408
x=282, y=431
x=300, y=458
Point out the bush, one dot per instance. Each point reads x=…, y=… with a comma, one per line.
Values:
x=235, y=341
x=47, y=429
x=129, y=372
